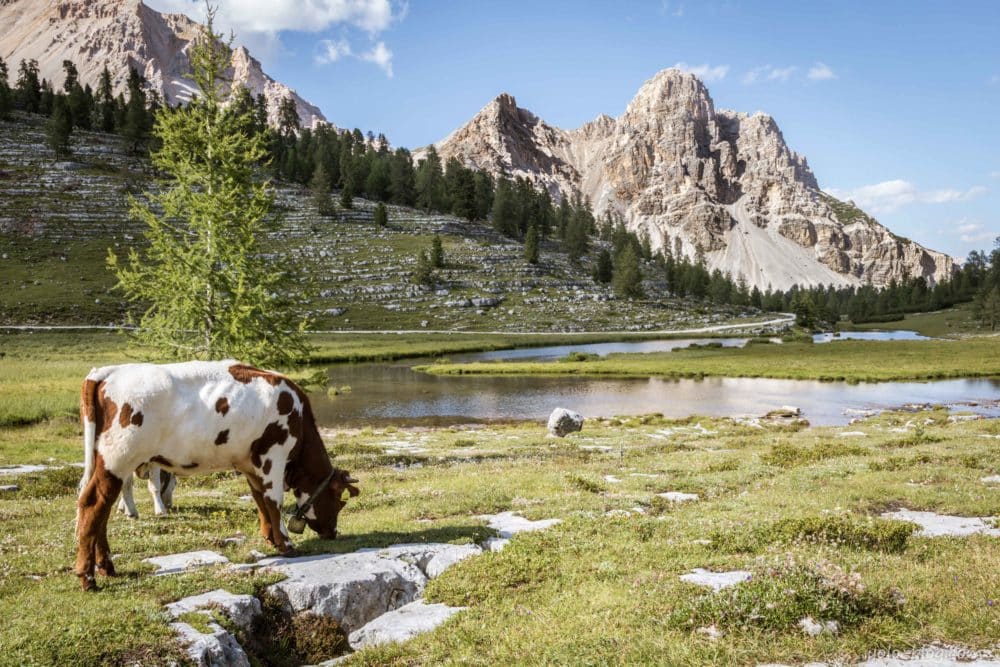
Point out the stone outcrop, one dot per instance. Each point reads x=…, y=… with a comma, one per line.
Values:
x=563, y=422
x=719, y=183
x=123, y=34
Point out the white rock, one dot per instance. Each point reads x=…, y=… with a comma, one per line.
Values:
x=710, y=631
x=241, y=609
x=811, y=627
x=716, y=580
x=215, y=649
x=176, y=563
x=611, y=479
x=563, y=422
x=678, y=496
x=22, y=469
x=494, y=543
x=992, y=479
x=9, y=487
x=402, y=624
x=852, y=434
x=432, y=559
x=933, y=656
x=508, y=524
x=964, y=418
x=938, y=525
x=352, y=588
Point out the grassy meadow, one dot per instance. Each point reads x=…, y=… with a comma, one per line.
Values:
x=798, y=507
x=846, y=360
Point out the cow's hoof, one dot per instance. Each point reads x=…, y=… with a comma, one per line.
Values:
x=290, y=552
x=88, y=583
x=107, y=569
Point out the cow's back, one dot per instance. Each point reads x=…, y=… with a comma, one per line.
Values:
x=189, y=417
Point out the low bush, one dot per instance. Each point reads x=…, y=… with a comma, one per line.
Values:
x=786, y=455
x=865, y=533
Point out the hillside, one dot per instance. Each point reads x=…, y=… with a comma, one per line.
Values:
x=58, y=219
x=698, y=181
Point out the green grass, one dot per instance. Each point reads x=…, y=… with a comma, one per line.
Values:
x=593, y=589
x=850, y=360
x=953, y=322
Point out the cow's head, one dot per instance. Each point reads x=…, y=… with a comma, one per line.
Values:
x=330, y=501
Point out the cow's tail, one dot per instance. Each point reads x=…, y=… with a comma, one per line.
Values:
x=88, y=418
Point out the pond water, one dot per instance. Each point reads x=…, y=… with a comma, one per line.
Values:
x=869, y=335
x=394, y=393
x=554, y=352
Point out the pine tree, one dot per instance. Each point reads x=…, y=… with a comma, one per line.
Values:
x=29, y=88
x=319, y=185
x=437, y=252
x=381, y=216
x=627, y=278
x=504, y=211
x=532, y=245
x=604, y=267
x=347, y=196
x=430, y=182
x=59, y=127
x=288, y=118
x=135, y=125
x=423, y=274
x=402, y=187
x=106, y=102
x=207, y=280
x=6, y=98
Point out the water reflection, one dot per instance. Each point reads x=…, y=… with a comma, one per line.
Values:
x=868, y=335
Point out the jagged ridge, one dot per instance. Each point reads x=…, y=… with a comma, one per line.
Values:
x=721, y=183
x=123, y=34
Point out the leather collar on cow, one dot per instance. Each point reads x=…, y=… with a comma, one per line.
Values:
x=297, y=519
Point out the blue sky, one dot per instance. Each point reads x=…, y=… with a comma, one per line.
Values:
x=895, y=103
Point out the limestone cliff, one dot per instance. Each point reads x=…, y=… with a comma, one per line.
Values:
x=724, y=183
x=123, y=34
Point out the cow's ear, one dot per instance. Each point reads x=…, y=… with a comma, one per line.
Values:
x=353, y=490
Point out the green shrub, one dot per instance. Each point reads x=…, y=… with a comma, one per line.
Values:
x=780, y=594
x=865, y=533
x=586, y=484
x=580, y=356
x=786, y=455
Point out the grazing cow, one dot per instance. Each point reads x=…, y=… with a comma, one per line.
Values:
x=161, y=485
x=202, y=416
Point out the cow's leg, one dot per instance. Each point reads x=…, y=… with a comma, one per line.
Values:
x=94, y=507
x=154, y=485
x=273, y=475
x=256, y=490
x=127, y=503
x=167, y=486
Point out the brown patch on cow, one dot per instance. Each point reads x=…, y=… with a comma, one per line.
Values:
x=189, y=466
x=274, y=434
x=163, y=461
x=222, y=438
x=127, y=417
x=93, y=507
x=222, y=406
x=106, y=410
x=295, y=424
x=285, y=402
x=246, y=374
x=268, y=485
x=267, y=467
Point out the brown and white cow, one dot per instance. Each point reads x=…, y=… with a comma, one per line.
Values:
x=161, y=485
x=202, y=416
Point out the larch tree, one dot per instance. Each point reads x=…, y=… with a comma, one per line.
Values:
x=208, y=282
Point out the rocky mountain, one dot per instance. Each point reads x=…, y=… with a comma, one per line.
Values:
x=700, y=180
x=123, y=34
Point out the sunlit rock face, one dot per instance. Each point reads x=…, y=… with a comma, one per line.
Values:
x=716, y=183
x=123, y=34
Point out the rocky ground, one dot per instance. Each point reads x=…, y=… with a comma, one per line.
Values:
x=59, y=218
x=714, y=541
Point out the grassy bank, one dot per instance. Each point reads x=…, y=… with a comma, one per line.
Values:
x=40, y=373
x=954, y=322
x=596, y=588
x=850, y=360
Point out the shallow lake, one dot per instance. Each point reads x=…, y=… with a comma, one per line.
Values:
x=394, y=393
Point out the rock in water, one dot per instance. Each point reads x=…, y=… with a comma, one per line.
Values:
x=563, y=421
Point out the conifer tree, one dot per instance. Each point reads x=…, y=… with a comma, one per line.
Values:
x=531, y=245
x=59, y=127
x=207, y=281
x=135, y=124
x=29, y=88
x=347, y=196
x=604, y=267
x=6, y=98
x=627, y=278
x=423, y=274
x=381, y=216
x=105, y=102
x=504, y=212
x=430, y=182
x=319, y=185
x=437, y=252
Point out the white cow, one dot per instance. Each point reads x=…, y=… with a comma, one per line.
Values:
x=161, y=485
x=202, y=416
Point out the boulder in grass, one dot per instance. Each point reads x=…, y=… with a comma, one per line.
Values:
x=563, y=422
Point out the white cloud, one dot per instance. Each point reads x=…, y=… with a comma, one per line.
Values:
x=707, y=73
x=995, y=174
x=973, y=232
x=332, y=50
x=969, y=227
x=381, y=56
x=889, y=196
x=675, y=9
x=272, y=16
x=768, y=73
x=994, y=80
x=821, y=72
